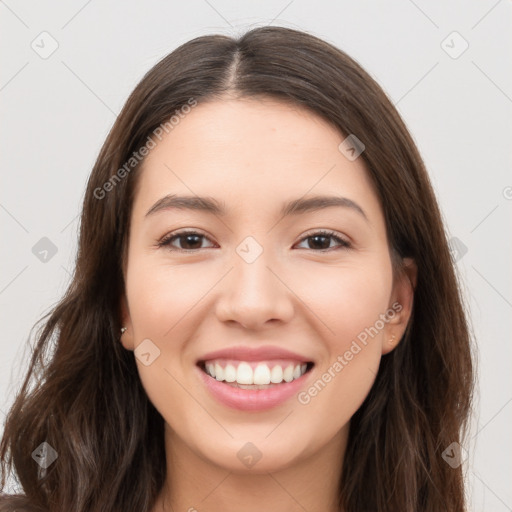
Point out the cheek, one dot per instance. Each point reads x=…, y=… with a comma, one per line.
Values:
x=161, y=296
x=347, y=299
x=350, y=302
x=337, y=392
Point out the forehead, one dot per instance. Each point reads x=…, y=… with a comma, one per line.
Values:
x=252, y=152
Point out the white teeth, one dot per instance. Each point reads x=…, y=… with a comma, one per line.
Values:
x=219, y=372
x=260, y=376
x=288, y=373
x=244, y=374
x=276, y=375
x=230, y=373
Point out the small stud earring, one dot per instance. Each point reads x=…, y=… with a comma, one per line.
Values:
x=123, y=330
x=392, y=340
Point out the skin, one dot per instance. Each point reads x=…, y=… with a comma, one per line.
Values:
x=254, y=155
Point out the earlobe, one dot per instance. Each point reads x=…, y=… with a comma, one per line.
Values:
x=126, y=338
x=389, y=344
x=125, y=334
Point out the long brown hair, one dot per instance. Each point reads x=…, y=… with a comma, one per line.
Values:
x=86, y=399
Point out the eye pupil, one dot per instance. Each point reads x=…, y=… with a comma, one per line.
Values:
x=316, y=238
x=188, y=239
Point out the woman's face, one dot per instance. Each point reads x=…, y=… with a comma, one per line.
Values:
x=259, y=281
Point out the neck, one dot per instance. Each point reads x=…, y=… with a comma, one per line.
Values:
x=195, y=484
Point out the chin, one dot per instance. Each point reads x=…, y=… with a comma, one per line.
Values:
x=258, y=454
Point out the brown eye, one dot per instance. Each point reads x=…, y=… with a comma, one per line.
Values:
x=188, y=241
x=321, y=241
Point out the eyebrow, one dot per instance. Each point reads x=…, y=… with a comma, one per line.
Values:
x=294, y=207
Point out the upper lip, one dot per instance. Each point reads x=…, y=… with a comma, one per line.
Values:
x=243, y=353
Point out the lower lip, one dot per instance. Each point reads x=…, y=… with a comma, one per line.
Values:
x=252, y=399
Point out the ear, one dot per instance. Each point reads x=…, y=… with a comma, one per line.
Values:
x=126, y=338
x=400, y=307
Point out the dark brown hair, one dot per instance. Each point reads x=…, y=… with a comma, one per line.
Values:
x=87, y=400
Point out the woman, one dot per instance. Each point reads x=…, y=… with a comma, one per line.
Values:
x=264, y=313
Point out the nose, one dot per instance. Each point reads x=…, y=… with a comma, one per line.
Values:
x=254, y=294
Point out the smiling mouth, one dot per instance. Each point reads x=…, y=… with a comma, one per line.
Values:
x=253, y=374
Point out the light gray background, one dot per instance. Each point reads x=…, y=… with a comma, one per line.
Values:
x=56, y=112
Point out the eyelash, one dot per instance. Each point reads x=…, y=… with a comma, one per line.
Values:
x=166, y=241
